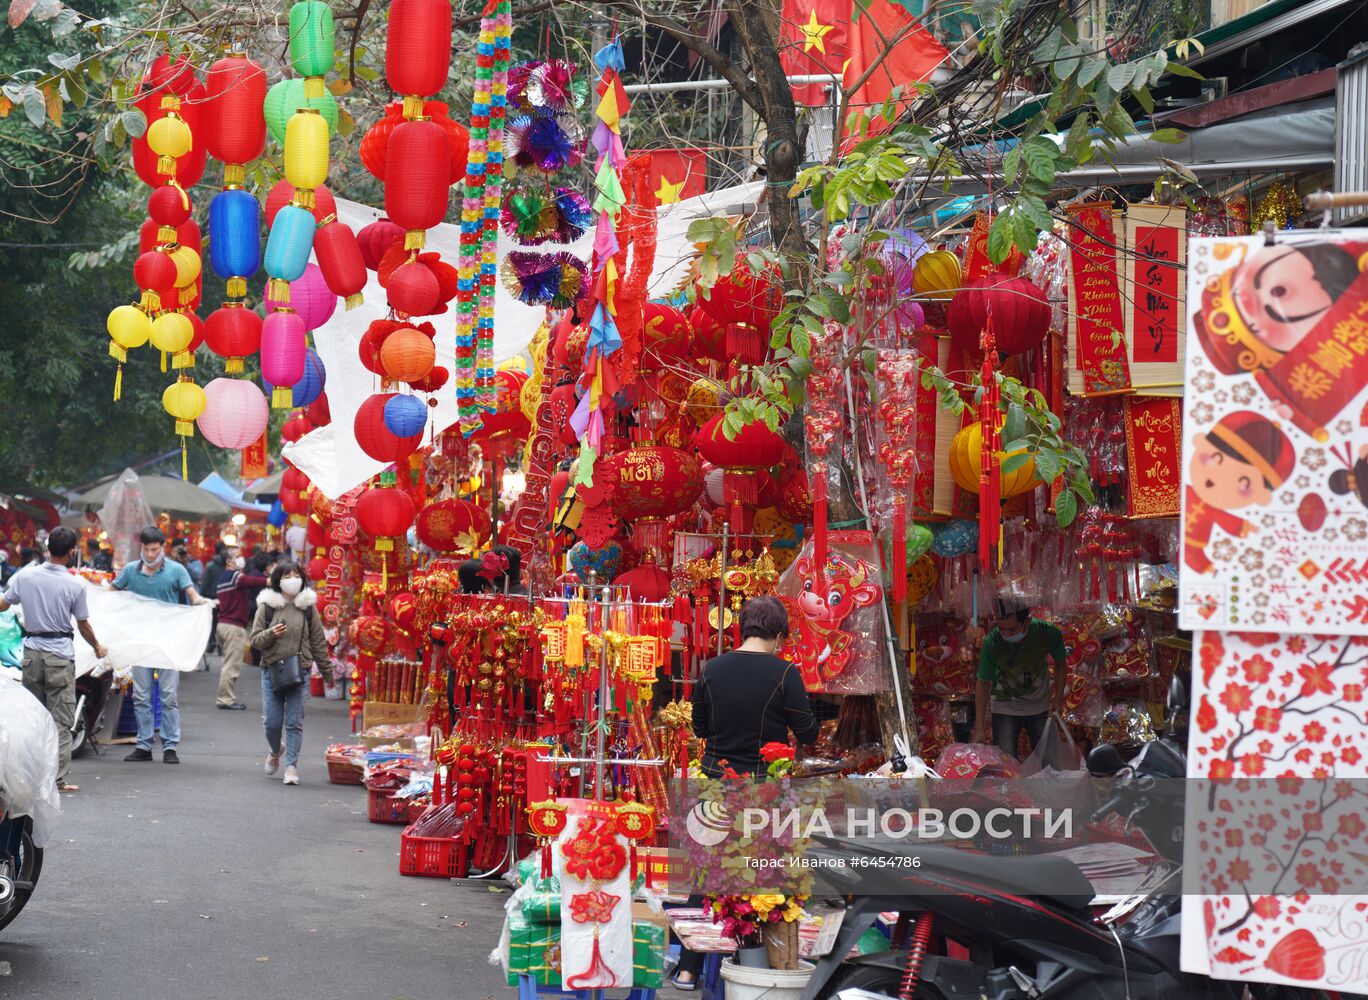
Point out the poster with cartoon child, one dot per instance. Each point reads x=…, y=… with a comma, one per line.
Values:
x=1275, y=519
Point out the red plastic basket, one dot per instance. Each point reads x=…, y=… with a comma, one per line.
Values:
x=383, y=807
x=345, y=772
x=432, y=857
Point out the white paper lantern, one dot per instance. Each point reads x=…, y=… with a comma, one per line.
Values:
x=235, y=413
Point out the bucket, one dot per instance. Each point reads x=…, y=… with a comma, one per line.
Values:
x=771, y=984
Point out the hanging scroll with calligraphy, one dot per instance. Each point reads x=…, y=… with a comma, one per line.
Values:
x=1097, y=316
x=1156, y=244
x=1154, y=444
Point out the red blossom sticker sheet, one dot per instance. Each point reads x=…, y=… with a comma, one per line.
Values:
x=1278, y=848
x=1275, y=434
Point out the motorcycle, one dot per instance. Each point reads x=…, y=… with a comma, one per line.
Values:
x=92, y=693
x=20, y=862
x=1027, y=921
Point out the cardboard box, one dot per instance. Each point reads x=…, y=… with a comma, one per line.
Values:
x=384, y=713
x=371, y=742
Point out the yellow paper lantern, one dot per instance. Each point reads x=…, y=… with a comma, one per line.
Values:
x=937, y=275
x=185, y=401
x=169, y=138
x=306, y=154
x=128, y=327
x=188, y=268
x=965, y=457
x=171, y=333
x=703, y=400
x=921, y=579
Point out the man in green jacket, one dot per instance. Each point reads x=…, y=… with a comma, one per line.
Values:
x=1022, y=669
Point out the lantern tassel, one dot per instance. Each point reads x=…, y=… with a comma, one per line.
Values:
x=166, y=166
x=282, y=397
x=185, y=463
x=304, y=198
x=187, y=295
x=233, y=366
x=353, y=301
x=167, y=234
x=150, y=302
x=415, y=239
x=313, y=86
x=237, y=288
x=413, y=106
x=278, y=289
x=163, y=361
x=183, y=360
x=173, y=182
x=819, y=520
x=118, y=383
x=234, y=174
x=117, y=352
x=899, y=567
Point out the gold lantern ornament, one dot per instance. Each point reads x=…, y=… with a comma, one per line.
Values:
x=922, y=576
x=306, y=154
x=169, y=138
x=171, y=333
x=936, y=275
x=185, y=401
x=129, y=327
x=966, y=455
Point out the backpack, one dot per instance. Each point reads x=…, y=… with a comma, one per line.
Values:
x=250, y=657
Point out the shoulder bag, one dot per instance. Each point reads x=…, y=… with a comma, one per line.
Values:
x=286, y=674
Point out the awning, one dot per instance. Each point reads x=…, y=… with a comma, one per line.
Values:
x=260, y=489
x=164, y=495
x=225, y=491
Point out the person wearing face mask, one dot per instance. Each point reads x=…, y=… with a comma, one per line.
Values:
x=287, y=624
x=1017, y=662
x=161, y=579
x=235, y=587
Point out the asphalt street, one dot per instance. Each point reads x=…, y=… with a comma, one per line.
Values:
x=210, y=881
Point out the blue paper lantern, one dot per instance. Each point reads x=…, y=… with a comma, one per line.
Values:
x=277, y=516
x=958, y=538
x=288, y=246
x=405, y=416
x=308, y=388
x=235, y=238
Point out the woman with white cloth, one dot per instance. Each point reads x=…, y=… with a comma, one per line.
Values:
x=287, y=624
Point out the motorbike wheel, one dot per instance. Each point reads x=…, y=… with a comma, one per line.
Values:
x=78, y=736
x=27, y=865
x=874, y=979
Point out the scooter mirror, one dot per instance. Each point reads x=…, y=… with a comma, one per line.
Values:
x=1104, y=761
x=1177, y=697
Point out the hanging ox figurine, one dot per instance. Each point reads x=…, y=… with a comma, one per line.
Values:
x=817, y=644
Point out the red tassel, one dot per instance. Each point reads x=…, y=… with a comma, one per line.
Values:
x=899, y=567
x=819, y=522
x=597, y=969
x=546, y=871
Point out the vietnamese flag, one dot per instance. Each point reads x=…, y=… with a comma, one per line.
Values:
x=914, y=54
x=677, y=174
x=813, y=39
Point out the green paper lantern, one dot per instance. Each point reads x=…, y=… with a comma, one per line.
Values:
x=919, y=539
x=311, y=38
x=286, y=97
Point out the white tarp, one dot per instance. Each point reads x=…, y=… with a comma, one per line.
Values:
x=141, y=632
x=28, y=758
x=330, y=455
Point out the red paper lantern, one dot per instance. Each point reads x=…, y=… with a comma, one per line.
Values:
x=754, y=447
x=508, y=418
x=1019, y=312
x=295, y=428
x=743, y=297
x=151, y=235
x=318, y=412
x=377, y=238
x=375, y=439
x=292, y=478
x=236, y=93
x=413, y=289
x=418, y=164
x=433, y=381
x=198, y=331
x=233, y=332
x=339, y=258
x=709, y=336
x=571, y=341
x=648, y=582
x=563, y=400
x=385, y=511
x=370, y=633
x=172, y=79
x=665, y=332
x=168, y=207
x=292, y=501
x=453, y=526
x=283, y=192
x=155, y=273
x=654, y=481
x=318, y=567
x=375, y=144
x=418, y=48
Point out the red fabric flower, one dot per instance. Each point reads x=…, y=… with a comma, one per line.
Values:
x=776, y=751
x=593, y=907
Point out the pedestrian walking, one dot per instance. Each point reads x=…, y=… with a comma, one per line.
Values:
x=287, y=633
x=234, y=615
x=161, y=579
x=50, y=598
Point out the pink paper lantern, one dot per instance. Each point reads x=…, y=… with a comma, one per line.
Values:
x=310, y=297
x=283, y=354
x=235, y=413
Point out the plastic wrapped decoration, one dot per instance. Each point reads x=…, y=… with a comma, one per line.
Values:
x=838, y=638
x=555, y=280
x=823, y=421
x=895, y=427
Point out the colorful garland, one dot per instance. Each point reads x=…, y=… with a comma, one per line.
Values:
x=478, y=264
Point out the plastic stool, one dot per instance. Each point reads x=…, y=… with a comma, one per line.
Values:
x=530, y=989
x=711, y=985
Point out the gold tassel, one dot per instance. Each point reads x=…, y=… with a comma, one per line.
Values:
x=415, y=239
x=185, y=461
x=304, y=198
x=352, y=301
x=167, y=234
x=151, y=301
x=166, y=166
x=170, y=101
x=233, y=366
x=233, y=174
x=185, y=428
x=413, y=106
x=185, y=359
x=237, y=288
x=185, y=198
x=117, y=352
x=313, y=86
x=278, y=289
x=163, y=361
x=282, y=397
x=187, y=295
x=118, y=382
x=327, y=220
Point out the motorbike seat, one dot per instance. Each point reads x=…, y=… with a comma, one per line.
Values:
x=1040, y=875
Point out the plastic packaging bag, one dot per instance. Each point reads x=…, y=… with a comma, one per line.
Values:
x=28, y=760
x=1055, y=751
x=967, y=760
x=11, y=639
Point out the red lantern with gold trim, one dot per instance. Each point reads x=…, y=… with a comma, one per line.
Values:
x=1020, y=313
x=453, y=526
x=654, y=481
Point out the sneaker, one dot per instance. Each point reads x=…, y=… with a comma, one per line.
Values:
x=140, y=754
x=236, y=706
x=170, y=757
x=272, y=763
x=291, y=776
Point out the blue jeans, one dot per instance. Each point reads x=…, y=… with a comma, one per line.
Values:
x=169, y=683
x=1006, y=730
x=285, y=710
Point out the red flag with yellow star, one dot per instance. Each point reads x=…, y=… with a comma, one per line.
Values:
x=677, y=174
x=913, y=53
x=812, y=40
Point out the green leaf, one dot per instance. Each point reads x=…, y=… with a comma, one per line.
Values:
x=1066, y=508
x=1024, y=233
x=1168, y=135
x=1000, y=238
x=134, y=122
x=1047, y=464
x=1090, y=70
x=35, y=109
x=1145, y=100
x=1011, y=163
x=1040, y=161
x=1034, y=209
x=802, y=342
x=1014, y=426
x=1014, y=461
x=1179, y=69
x=1120, y=76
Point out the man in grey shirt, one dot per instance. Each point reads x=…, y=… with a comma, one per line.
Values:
x=51, y=597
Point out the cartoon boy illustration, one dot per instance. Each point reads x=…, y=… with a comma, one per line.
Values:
x=1238, y=463
x=1287, y=315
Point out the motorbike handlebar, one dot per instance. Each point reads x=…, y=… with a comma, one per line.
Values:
x=1107, y=808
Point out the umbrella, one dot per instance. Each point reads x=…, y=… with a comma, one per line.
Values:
x=164, y=495
x=263, y=488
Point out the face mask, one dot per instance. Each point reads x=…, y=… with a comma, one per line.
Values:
x=291, y=585
x=1018, y=638
x=239, y=562
x=150, y=563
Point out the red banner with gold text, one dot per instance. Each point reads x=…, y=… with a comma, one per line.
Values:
x=1154, y=449
x=1096, y=312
